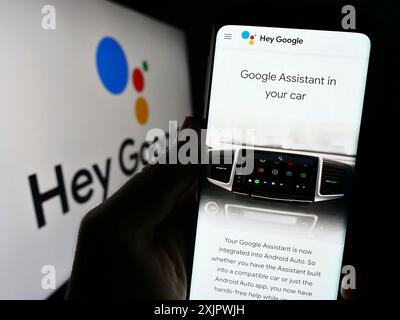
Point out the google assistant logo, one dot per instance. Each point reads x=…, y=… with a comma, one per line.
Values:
x=113, y=70
x=247, y=35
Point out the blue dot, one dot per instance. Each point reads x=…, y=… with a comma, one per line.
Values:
x=245, y=34
x=112, y=65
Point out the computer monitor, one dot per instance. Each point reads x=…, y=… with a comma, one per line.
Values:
x=81, y=84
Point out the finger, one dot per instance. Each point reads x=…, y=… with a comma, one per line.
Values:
x=151, y=194
x=192, y=123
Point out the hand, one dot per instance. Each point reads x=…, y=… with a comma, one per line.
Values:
x=135, y=244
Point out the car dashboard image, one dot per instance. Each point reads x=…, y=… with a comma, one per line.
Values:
x=282, y=174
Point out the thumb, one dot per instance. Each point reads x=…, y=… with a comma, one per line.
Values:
x=149, y=196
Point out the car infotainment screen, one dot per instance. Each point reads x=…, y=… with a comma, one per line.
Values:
x=279, y=175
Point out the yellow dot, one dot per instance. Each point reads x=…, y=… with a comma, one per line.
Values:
x=142, y=110
x=251, y=42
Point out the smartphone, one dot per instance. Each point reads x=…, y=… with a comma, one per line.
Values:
x=283, y=114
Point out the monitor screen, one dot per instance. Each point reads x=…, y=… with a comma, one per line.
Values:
x=81, y=84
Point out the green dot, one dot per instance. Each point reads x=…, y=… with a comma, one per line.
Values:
x=256, y=181
x=303, y=175
x=145, y=66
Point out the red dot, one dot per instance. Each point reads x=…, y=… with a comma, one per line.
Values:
x=252, y=37
x=138, y=79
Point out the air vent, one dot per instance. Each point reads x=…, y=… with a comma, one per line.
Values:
x=333, y=180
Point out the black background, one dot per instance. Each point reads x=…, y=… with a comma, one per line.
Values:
x=371, y=244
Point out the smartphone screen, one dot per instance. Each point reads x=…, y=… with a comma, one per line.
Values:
x=284, y=113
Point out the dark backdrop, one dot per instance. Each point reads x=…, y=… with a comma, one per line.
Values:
x=371, y=244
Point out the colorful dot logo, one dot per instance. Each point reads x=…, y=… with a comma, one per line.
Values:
x=112, y=65
x=246, y=35
x=113, y=70
x=141, y=106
